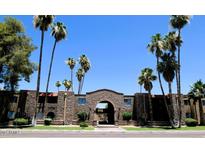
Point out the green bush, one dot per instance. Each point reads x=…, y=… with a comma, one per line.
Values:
x=82, y=116
x=47, y=121
x=191, y=122
x=83, y=124
x=20, y=121
x=127, y=116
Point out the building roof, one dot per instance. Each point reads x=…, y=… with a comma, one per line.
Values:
x=104, y=90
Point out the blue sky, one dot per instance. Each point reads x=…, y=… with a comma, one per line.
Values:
x=116, y=47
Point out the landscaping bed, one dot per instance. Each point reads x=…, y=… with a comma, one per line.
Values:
x=133, y=128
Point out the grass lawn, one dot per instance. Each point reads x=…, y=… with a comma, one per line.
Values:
x=59, y=128
x=162, y=128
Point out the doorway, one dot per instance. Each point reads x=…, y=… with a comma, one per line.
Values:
x=105, y=113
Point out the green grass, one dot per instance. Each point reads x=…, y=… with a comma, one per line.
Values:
x=163, y=128
x=59, y=128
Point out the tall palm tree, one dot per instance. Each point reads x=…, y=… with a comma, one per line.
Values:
x=178, y=22
x=67, y=84
x=85, y=65
x=42, y=22
x=167, y=66
x=156, y=47
x=71, y=63
x=80, y=74
x=146, y=79
x=58, y=84
x=198, y=92
x=59, y=33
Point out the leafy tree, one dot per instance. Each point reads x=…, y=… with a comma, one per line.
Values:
x=15, y=50
x=146, y=79
x=178, y=22
x=58, y=84
x=197, y=92
x=71, y=63
x=59, y=33
x=42, y=22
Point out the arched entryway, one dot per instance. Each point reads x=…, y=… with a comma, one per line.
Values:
x=105, y=113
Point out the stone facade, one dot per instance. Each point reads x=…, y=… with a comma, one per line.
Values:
x=66, y=105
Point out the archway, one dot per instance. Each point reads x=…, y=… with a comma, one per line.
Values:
x=105, y=113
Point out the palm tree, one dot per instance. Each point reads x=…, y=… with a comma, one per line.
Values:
x=80, y=74
x=146, y=79
x=71, y=63
x=167, y=67
x=198, y=92
x=58, y=84
x=42, y=22
x=67, y=84
x=156, y=47
x=85, y=65
x=178, y=22
x=59, y=33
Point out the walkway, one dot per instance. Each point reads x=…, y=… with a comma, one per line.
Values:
x=99, y=132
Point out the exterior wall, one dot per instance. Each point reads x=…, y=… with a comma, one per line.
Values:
x=67, y=106
x=191, y=109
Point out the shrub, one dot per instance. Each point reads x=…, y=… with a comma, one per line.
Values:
x=82, y=116
x=127, y=116
x=83, y=124
x=191, y=122
x=20, y=121
x=47, y=121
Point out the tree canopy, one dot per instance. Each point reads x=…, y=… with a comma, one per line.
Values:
x=15, y=50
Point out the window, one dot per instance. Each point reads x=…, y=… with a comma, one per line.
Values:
x=81, y=101
x=186, y=102
x=52, y=99
x=127, y=101
x=203, y=102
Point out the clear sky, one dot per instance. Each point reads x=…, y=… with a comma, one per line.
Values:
x=116, y=47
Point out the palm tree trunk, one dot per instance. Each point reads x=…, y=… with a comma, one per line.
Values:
x=191, y=110
x=49, y=75
x=164, y=97
x=82, y=82
x=64, y=110
x=171, y=102
x=71, y=79
x=39, y=73
x=79, y=87
x=179, y=80
x=195, y=110
x=140, y=89
x=170, y=89
x=150, y=107
x=201, y=112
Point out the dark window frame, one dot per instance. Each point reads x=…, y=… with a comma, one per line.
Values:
x=128, y=101
x=82, y=101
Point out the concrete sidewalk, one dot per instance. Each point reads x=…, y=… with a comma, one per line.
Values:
x=99, y=133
